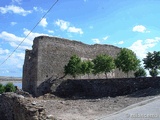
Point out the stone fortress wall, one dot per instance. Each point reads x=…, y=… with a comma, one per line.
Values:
x=49, y=55
x=99, y=88
x=22, y=106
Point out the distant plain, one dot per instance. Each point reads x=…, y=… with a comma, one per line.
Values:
x=17, y=81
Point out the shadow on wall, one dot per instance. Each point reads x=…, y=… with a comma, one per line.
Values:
x=97, y=88
x=48, y=86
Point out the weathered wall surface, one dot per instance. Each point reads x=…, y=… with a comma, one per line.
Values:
x=29, y=80
x=104, y=87
x=49, y=56
x=17, y=107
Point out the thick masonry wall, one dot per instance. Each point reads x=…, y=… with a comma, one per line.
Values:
x=104, y=87
x=49, y=55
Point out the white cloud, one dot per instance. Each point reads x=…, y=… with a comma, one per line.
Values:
x=14, y=40
x=50, y=31
x=96, y=40
x=100, y=40
x=120, y=42
x=32, y=34
x=152, y=41
x=105, y=38
x=5, y=71
x=43, y=22
x=14, y=9
x=17, y=59
x=35, y=8
x=2, y=51
x=141, y=47
x=62, y=24
x=39, y=9
x=14, y=45
x=20, y=55
x=65, y=25
x=75, y=30
x=9, y=37
x=13, y=66
x=139, y=28
x=13, y=23
x=17, y=1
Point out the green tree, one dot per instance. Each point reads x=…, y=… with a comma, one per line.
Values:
x=73, y=67
x=86, y=67
x=127, y=61
x=9, y=87
x=90, y=66
x=2, y=90
x=140, y=72
x=103, y=64
x=152, y=63
x=153, y=73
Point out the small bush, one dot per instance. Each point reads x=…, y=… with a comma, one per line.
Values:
x=153, y=73
x=2, y=89
x=9, y=87
x=140, y=72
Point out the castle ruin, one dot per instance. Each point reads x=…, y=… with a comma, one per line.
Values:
x=49, y=55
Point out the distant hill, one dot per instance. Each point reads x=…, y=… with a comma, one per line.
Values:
x=7, y=78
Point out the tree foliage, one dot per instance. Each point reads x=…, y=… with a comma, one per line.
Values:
x=140, y=72
x=152, y=62
x=9, y=87
x=103, y=64
x=86, y=67
x=153, y=73
x=2, y=89
x=73, y=67
x=127, y=61
x=90, y=66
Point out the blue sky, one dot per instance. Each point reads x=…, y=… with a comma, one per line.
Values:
x=134, y=24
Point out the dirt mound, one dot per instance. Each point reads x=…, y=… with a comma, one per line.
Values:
x=90, y=109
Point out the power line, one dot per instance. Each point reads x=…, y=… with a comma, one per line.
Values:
x=30, y=32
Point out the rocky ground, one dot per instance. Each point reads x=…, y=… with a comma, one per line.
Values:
x=91, y=109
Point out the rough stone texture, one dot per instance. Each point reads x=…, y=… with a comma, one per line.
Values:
x=18, y=107
x=49, y=55
x=104, y=87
